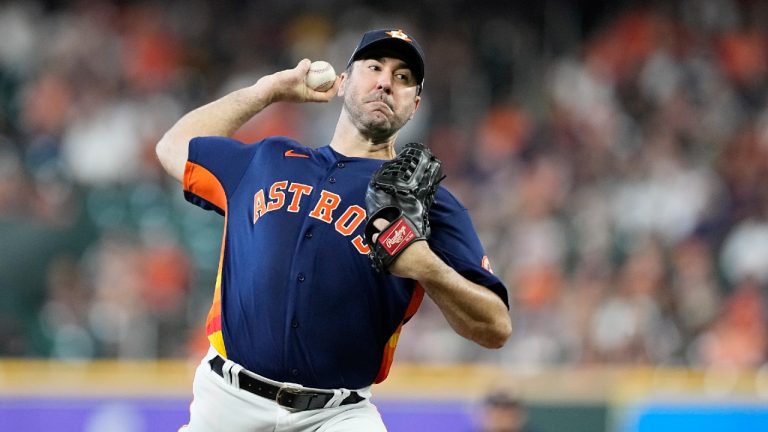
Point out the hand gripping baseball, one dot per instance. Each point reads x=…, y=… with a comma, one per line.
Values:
x=401, y=192
x=290, y=86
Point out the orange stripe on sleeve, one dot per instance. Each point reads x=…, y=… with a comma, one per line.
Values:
x=201, y=182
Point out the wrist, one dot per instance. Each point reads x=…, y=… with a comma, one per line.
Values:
x=416, y=262
x=262, y=92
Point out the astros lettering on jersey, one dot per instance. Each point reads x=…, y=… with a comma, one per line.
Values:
x=283, y=302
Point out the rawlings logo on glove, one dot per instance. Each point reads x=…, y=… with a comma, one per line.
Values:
x=398, y=236
x=401, y=192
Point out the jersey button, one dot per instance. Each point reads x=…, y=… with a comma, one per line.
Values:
x=332, y=180
x=294, y=324
x=294, y=372
x=308, y=235
x=340, y=164
x=301, y=277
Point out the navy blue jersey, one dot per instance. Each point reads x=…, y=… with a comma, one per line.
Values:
x=296, y=297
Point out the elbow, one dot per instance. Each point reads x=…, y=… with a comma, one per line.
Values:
x=495, y=335
x=161, y=149
x=501, y=334
x=170, y=156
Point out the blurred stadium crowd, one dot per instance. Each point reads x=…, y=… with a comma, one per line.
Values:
x=610, y=153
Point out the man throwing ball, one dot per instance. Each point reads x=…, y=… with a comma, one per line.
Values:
x=327, y=252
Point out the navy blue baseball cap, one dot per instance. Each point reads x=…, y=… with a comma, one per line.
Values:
x=396, y=41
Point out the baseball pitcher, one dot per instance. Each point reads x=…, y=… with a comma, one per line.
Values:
x=326, y=252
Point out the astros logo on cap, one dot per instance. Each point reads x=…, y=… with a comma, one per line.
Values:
x=399, y=34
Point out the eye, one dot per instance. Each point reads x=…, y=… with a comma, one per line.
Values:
x=402, y=76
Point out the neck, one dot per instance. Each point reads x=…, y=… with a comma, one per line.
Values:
x=349, y=141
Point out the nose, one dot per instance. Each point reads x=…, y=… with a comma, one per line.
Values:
x=384, y=83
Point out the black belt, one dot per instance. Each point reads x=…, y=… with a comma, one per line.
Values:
x=295, y=398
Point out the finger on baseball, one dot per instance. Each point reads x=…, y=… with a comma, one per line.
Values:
x=303, y=66
x=335, y=88
x=324, y=96
x=331, y=92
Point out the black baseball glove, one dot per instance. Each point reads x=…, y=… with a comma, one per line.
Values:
x=401, y=191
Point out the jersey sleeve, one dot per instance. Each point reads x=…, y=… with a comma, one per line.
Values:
x=454, y=239
x=214, y=168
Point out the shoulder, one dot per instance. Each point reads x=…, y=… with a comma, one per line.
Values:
x=278, y=144
x=446, y=201
x=447, y=210
x=281, y=141
x=275, y=141
x=267, y=147
x=212, y=150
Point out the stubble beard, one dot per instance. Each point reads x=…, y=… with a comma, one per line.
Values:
x=374, y=124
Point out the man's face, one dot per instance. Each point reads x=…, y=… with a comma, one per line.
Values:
x=380, y=95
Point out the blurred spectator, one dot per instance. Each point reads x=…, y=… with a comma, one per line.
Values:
x=14, y=188
x=64, y=315
x=501, y=412
x=745, y=252
x=737, y=339
x=694, y=286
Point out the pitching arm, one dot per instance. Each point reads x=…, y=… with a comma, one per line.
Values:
x=226, y=115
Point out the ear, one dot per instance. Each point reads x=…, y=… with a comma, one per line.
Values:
x=416, y=104
x=342, y=84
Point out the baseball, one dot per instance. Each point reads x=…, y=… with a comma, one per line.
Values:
x=320, y=76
